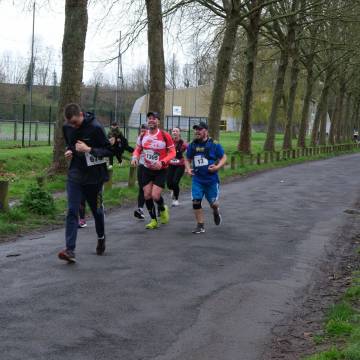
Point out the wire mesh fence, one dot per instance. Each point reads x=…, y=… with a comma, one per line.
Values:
x=19, y=127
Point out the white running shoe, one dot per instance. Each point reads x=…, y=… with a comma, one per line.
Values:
x=175, y=203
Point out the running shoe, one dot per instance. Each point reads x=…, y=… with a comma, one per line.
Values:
x=153, y=224
x=110, y=167
x=199, y=229
x=100, y=248
x=217, y=217
x=164, y=215
x=139, y=214
x=82, y=223
x=175, y=203
x=67, y=255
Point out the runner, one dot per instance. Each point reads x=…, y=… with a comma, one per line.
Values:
x=119, y=144
x=86, y=145
x=177, y=166
x=158, y=149
x=139, y=212
x=207, y=157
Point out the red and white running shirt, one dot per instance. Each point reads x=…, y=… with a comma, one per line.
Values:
x=155, y=147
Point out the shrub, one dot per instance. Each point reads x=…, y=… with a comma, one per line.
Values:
x=39, y=201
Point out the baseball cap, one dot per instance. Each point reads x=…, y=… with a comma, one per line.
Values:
x=201, y=125
x=155, y=114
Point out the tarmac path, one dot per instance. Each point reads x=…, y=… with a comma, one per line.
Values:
x=171, y=295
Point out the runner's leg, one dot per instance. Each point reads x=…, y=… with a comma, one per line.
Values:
x=74, y=194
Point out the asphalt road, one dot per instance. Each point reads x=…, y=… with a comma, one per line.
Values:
x=171, y=295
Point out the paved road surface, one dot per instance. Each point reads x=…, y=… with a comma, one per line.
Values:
x=171, y=295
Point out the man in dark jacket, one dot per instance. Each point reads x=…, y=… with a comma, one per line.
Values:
x=86, y=147
x=118, y=142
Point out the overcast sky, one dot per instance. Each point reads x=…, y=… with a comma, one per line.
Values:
x=16, y=29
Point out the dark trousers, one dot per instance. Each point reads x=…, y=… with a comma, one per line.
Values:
x=141, y=199
x=82, y=207
x=93, y=196
x=174, y=175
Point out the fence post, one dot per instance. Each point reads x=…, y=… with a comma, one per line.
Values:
x=232, y=162
x=49, y=141
x=258, y=158
x=294, y=154
x=189, y=130
x=23, y=126
x=4, y=195
x=284, y=155
x=251, y=159
x=242, y=162
x=271, y=157
x=277, y=155
x=132, y=176
x=15, y=130
x=266, y=157
x=36, y=130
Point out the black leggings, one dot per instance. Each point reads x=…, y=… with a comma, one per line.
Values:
x=82, y=208
x=141, y=199
x=174, y=175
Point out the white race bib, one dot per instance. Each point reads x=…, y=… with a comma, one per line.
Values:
x=174, y=161
x=200, y=160
x=151, y=156
x=92, y=160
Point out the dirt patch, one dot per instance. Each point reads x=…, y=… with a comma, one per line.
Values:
x=293, y=338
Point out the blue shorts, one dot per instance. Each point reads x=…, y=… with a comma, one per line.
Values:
x=210, y=191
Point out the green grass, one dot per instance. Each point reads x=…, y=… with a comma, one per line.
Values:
x=342, y=327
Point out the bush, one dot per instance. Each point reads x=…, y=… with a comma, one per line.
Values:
x=39, y=201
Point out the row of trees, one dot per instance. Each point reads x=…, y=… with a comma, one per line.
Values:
x=311, y=42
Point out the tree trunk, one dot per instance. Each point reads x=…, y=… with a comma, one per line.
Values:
x=222, y=76
x=295, y=69
x=76, y=20
x=347, y=130
x=321, y=108
x=277, y=96
x=156, y=58
x=304, y=123
x=340, y=120
x=334, y=121
x=323, y=120
x=251, y=54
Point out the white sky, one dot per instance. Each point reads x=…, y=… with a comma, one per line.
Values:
x=16, y=30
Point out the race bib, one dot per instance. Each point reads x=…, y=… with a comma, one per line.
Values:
x=93, y=160
x=200, y=160
x=174, y=161
x=151, y=156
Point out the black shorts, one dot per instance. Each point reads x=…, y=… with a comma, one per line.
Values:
x=157, y=177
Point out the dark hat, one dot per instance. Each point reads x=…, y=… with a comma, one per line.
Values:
x=114, y=123
x=201, y=125
x=154, y=114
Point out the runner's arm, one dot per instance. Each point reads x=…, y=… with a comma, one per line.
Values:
x=103, y=149
x=170, y=155
x=188, y=168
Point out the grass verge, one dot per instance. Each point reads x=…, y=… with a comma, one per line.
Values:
x=342, y=327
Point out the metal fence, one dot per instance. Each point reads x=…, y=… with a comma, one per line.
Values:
x=16, y=127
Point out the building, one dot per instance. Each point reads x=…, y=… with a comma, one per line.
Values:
x=183, y=108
